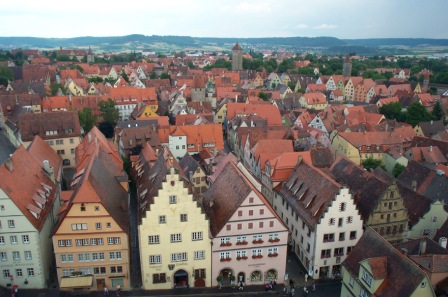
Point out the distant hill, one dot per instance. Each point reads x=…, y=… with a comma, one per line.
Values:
x=136, y=42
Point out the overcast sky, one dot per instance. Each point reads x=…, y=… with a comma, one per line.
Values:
x=230, y=18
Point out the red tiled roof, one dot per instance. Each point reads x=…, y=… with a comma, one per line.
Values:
x=269, y=112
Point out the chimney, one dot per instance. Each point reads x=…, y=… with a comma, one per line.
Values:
x=90, y=137
x=49, y=169
x=190, y=176
x=430, y=148
x=422, y=247
x=8, y=164
x=442, y=242
x=414, y=185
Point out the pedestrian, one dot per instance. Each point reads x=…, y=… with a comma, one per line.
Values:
x=305, y=292
x=306, y=277
x=118, y=290
x=293, y=291
x=291, y=283
x=241, y=286
x=267, y=287
x=275, y=283
x=313, y=286
x=285, y=291
x=106, y=291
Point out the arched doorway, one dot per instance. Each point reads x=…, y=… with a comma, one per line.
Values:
x=227, y=277
x=241, y=277
x=271, y=274
x=180, y=279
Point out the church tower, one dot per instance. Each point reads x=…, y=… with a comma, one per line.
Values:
x=90, y=56
x=347, y=67
x=237, y=57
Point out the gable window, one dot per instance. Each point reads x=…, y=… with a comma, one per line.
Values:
x=25, y=239
x=11, y=224
x=162, y=219
x=183, y=217
x=349, y=220
x=173, y=199
x=342, y=206
x=367, y=278
x=330, y=222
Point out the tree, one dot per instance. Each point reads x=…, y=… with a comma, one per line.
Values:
x=392, y=111
x=63, y=58
x=54, y=87
x=398, y=169
x=109, y=113
x=124, y=76
x=263, y=96
x=370, y=163
x=437, y=111
x=86, y=119
x=165, y=75
x=153, y=75
x=5, y=75
x=191, y=65
x=417, y=113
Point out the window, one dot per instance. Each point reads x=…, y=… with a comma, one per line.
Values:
x=199, y=273
x=96, y=241
x=342, y=236
x=108, y=225
x=116, y=269
x=99, y=270
x=272, y=251
x=59, y=141
x=261, y=211
x=240, y=213
x=162, y=219
x=173, y=199
x=101, y=256
x=325, y=253
x=183, y=217
x=13, y=239
x=11, y=224
x=3, y=256
x=228, y=227
x=251, y=226
x=328, y=237
x=251, y=212
x=2, y=240
x=273, y=236
x=79, y=227
x=113, y=240
x=25, y=239
x=225, y=240
x=260, y=224
x=98, y=226
x=349, y=220
x=158, y=278
x=30, y=271
x=330, y=222
x=19, y=272
x=239, y=226
x=241, y=239
x=16, y=256
x=196, y=236
x=153, y=239
x=114, y=255
x=342, y=206
x=349, y=249
x=82, y=242
x=224, y=255
x=97, y=208
x=240, y=254
x=257, y=252
x=338, y=252
x=251, y=200
x=155, y=259
x=176, y=257
x=199, y=255
x=72, y=140
x=340, y=222
x=6, y=273
x=176, y=237
x=258, y=237
x=352, y=234
x=271, y=224
x=367, y=278
x=60, y=152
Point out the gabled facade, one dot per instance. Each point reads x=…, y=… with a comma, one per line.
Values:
x=249, y=240
x=322, y=217
x=175, y=249
x=29, y=202
x=91, y=239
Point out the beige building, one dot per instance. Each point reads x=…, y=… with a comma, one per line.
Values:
x=376, y=268
x=91, y=239
x=175, y=245
x=61, y=130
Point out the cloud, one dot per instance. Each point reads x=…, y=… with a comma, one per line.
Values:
x=301, y=26
x=325, y=27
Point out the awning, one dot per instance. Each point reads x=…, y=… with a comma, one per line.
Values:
x=76, y=282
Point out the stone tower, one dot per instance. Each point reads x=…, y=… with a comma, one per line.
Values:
x=198, y=89
x=90, y=56
x=347, y=67
x=237, y=57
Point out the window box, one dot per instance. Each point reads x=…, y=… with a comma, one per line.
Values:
x=273, y=255
x=257, y=241
x=241, y=258
x=242, y=243
x=225, y=259
x=226, y=244
x=257, y=257
x=274, y=240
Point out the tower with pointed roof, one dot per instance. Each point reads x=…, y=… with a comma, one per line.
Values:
x=237, y=57
x=90, y=56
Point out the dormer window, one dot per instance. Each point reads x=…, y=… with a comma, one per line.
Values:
x=83, y=208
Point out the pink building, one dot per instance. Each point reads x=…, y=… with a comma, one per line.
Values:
x=249, y=239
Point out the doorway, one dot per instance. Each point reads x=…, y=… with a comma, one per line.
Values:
x=180, y=279
x=100, y=283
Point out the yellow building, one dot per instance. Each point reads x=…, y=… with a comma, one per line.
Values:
x=221, y=114
x=195, y=173
x=315, y=101
x=376, y=268
x=91, y=239
x=175, y=247
x=61, y=130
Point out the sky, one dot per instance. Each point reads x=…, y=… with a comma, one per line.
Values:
x=346, y=19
